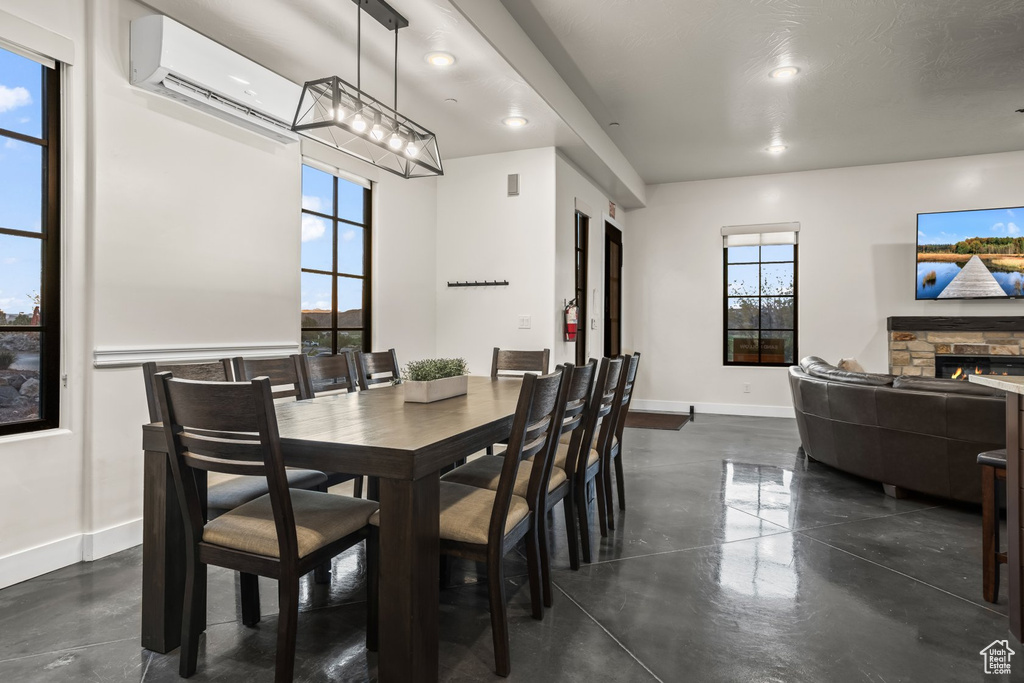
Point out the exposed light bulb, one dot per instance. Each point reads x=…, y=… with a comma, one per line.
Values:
x=377, y=132
x=340, y=114
x=396, y=142
x=412, y=149
x=359, y=123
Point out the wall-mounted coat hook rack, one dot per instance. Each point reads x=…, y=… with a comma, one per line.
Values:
x=479, y=283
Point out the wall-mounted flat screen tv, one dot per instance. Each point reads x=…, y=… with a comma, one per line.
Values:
x=975, y=254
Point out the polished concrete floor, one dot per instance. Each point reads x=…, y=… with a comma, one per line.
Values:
x=735, y=561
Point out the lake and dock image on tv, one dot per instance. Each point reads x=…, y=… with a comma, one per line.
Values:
x=971, y=254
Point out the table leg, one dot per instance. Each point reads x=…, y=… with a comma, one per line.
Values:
x=163, y=557
x=409, y=594
x=1013, y=510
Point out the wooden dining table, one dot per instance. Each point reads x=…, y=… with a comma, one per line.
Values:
x=372, y=433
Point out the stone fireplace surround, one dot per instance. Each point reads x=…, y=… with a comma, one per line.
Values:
x=914, y=341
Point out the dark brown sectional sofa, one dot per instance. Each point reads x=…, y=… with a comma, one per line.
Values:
x=915, y=433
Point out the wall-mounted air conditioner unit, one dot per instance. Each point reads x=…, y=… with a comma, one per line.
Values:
x=173, y=60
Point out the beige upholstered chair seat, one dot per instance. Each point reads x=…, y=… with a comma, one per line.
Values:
x=466, y=513
x=320, y=519
x=228, y=491
x=563, y=452
x=485, y=472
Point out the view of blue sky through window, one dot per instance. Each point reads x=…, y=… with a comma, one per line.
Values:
x=334, y=240
x=21, y=193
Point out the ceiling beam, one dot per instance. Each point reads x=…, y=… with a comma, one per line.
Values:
x=602, y=159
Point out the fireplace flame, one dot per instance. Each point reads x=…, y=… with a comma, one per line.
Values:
x=959, y=371
x=977, y=370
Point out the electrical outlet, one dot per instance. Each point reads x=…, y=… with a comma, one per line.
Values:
x=746, y=388
x=525, y=322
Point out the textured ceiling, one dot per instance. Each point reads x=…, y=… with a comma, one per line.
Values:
x=881, y=80
x=307, y=39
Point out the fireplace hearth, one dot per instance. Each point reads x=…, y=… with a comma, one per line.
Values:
x=962, y=367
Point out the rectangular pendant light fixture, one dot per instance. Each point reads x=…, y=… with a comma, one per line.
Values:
x=339, y=114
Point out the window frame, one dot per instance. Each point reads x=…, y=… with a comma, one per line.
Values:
x=367, y=277
x=50, y=325
x=760, y=330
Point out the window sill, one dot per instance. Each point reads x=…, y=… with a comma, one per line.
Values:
x=28, y=436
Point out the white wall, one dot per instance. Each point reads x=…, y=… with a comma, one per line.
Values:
x=184, y=230
x=42, y=504
x=483, y=234
x=857, y=267
x=574, y=190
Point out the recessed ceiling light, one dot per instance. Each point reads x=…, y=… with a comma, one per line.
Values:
x=613, y=124
x=775, y=149
x=784, y=72
x=451, y=100
x=440, y=58
x=515, y=122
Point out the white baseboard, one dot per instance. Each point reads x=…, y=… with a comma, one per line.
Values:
x=113, y=540
x=713, y=408
x=28, y=564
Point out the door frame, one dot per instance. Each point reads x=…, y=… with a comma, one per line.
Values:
x=612, y=235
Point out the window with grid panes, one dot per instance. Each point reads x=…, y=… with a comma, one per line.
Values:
x=760, y=265
x=30, y=374
x=335, y=279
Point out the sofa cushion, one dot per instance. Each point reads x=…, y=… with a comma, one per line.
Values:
x=948, y=386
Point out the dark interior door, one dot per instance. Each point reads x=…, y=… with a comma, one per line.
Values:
x=581, y=255
x=612, y=290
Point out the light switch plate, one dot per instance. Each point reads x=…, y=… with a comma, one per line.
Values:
x=525, y=322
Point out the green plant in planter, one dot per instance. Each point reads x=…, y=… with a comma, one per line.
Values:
x=435, y=368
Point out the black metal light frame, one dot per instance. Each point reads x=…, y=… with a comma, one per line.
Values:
x=341, y=115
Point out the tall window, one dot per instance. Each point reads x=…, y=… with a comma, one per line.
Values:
x=29, y=245
x=335, y=264
x=582, y=232
x=760, y=294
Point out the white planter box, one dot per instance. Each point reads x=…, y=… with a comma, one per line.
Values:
x=435, y=390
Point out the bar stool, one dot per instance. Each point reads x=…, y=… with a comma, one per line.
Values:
x=993, y=470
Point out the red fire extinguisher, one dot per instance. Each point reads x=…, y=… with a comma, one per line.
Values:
x=572, y=317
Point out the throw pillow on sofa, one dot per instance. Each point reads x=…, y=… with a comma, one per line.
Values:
x=850, y=365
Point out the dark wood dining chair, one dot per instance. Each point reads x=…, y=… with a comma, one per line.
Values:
x=224, y=492
x=584, y=450
x=231, y=427
x=289, y=378
x=482, y=525
x=331, y=374
x=285, y=373
x=378, y=367
x=506, y=363
x=485, y=472
x=613, y=452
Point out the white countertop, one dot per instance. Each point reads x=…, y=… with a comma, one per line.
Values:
x=1014, y=384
